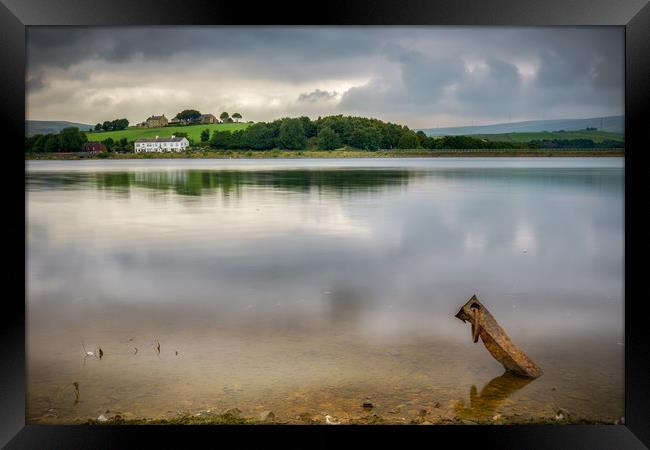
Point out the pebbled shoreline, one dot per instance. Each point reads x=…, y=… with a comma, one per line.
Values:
x=370, y=419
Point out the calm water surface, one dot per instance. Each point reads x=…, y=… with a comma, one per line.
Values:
x=310, y=286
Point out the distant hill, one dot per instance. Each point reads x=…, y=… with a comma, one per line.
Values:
x=613, y=124
x=33, y=127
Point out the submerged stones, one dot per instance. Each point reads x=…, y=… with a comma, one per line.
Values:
x=267, y=416
x=562, y=414
x=232, y=412
x=329, y=420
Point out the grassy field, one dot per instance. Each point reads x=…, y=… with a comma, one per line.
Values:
x=193, y=131
x=596, y=136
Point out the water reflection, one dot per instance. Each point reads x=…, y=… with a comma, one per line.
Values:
x=346, y=305
x=228, y=182
x=397, y=260
x=197, y=182
x=259, y=266
x=484, y=405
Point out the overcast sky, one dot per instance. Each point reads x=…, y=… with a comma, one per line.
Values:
x=417, y=76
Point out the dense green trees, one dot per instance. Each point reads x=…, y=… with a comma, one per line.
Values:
x=326, y=133
x=70, y=139
x=408, y=140
x=222, y=140
x=112, y=125
x=328, y=139
x=309, y=126
x=114, y=146
x=336, y=131
x=292, y=135
x=259, y=136
x=237, y=116
x=365, y=138
x=188, y=115
x=109, y=143
x=52, y=144
x=362, y=132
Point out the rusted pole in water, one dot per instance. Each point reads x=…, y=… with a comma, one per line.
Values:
x=485, y=326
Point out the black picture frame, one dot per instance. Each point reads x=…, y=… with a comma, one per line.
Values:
x=634, y=15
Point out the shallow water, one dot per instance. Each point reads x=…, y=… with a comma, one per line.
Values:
x=310, y=287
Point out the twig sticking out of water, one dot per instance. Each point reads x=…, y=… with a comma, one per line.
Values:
x=136, y=350
x=176, y=352
x=156, y=346
x=101, y=353
x=86, y=352
x=76, y=392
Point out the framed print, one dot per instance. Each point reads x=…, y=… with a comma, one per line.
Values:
x=384, y=220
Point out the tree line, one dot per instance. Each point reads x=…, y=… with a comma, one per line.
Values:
x=332, y=132
x=70, y=139
x=112, y=125
x=193, y=115
x=327, y=133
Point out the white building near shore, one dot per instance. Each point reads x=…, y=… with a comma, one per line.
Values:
x=160, y=145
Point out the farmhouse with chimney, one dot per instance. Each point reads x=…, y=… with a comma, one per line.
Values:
x=157, y=121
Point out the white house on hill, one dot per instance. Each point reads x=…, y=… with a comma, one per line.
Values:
x=158, y=144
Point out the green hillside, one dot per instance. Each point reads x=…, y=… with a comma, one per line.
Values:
x=193, y=131
x=594, y=135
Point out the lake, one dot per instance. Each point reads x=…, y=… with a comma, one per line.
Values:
x=310, y=287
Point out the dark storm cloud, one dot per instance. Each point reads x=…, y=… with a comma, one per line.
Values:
x=573, y=72
x=485, y=86
x=262, y=46
x=35, y=83
x=421, y=83
x=405, y=74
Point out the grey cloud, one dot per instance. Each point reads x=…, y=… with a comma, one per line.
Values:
x=420, y=84
x=62, y=47
x=35, y=82
x=317, y=95
x=425, y=77
x=487, y=86
x=578, y=71
x=409, y=73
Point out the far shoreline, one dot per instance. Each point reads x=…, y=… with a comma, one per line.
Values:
x=325, y=154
